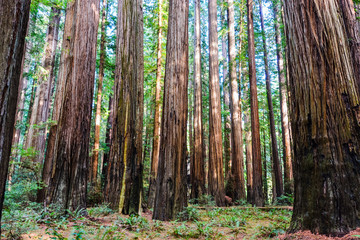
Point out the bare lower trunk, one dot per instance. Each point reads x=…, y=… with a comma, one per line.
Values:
x=198, y=178
x=105, y=167
x=274, y=148
x=285, y=124
x=249, y=164
x=171, y=191
x=323, y=78
x=64, y=70
x=258, y=194
x=157, y=118
x=237, y=180
x=216, y=174
x=226, y=90
x=125, y=178
x=14, y=17
x=70, y=156
x=95, y=158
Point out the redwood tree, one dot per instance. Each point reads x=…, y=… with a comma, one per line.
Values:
x=279, y=188
x=285, y=124
x=14, y=17
x=126, y=163
x=216, y=174
x=70, y=154
x=198, y=178
x=95, y=158
x=323, y=79
x=258, y=195
x=157, y=117
x=36, y=136
x=237, y=179
x=171, y=190
x=65, y=69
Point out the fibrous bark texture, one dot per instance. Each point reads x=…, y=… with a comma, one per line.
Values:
x=216, y=174
x=226, y=92
x=279, y=188
x=258, y=194
x=198, y=166
x=157, y=118
x=95, y=158
x=325, y=116
x=65, y=69
x=106, y=163
x=171, y=190
x=36, y=136
x=237, y=179
x=14, y=17
x=126, y=163
x=285, y=124
x=70, y=154
x=248, y=149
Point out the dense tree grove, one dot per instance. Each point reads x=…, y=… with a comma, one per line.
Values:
x=167, y=107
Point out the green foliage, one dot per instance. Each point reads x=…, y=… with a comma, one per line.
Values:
x=100, y=210
x=189, y=214
x=272, y=230
x=135, y=223
x=284, y=200
x=204, y=200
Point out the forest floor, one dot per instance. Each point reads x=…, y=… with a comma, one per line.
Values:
x=194, y=223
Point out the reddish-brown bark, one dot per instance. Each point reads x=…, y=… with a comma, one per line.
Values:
x=171, y=190
x=126, y=163
x=258, y=194
x=36, y=135
x=157, y=117
x=285, y=124
x=70, y=156
x=198, y=166
x=94, y=164
x=323, y=78
x=216, y=173
x=14, y=17
x=279, y=188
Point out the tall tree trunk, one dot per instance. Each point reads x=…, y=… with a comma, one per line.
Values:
x=237, y=180
x=323, y=79
x=125, y=179
x=95, y=158
x=274, y=149
x=68, y=183
x=157, y=118
x=265, y=170
x=198, y=179
x=171, y=192
x=65, y=69
x=19, y=114
x=255, y=125
x=285, y=125
x=14, y=17
x=21, y=98
x=36, y=136
x=216, y=173
x=249, y=164
x=226, y=90
x=106, y=162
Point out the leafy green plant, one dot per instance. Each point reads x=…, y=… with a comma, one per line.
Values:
x=284, y=200
x=189, y=214
x=55, y=234
x=135, y=223
x=100, y=210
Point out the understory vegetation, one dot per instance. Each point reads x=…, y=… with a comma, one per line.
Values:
x=33, y=221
